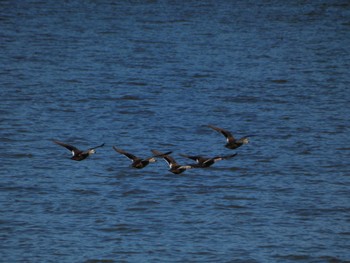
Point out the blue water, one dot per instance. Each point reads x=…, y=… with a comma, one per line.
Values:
x=145, y=75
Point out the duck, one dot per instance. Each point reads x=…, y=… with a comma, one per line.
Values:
x=137, y=162
x=232, y=143
x=78, y=155
x=175, y=168
x=204, y=162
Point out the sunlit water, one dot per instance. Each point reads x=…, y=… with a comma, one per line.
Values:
x=148, y=75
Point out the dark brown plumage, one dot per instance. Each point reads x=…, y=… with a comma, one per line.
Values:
x=78, y=155
x=137, y=162
x=175, y=168
x=232, y=143
x=204, y=162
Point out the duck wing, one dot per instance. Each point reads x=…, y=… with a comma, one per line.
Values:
x=224, y=157
x=128, y=155
x=197, y=158
x=170, y=160
x=226, y=133
x=210, y=161
x=157, y=156
x=73, y=149
x=103, y=144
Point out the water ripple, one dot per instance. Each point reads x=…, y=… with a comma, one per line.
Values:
x=152, y=75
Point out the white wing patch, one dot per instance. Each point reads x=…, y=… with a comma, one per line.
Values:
x=73, y=153
x=185, y=167
x=170, y=164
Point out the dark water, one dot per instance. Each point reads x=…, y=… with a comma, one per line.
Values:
x=150, y=75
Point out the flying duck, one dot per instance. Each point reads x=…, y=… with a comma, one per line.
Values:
x=175, y=168
x=203, y=162
x=136, y=161
x=78, y=155
x=232, y=143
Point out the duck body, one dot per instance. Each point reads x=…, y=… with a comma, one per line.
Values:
x=78, y=155
x=81, y=156
x=175, y=168
x=204, y=162
x=137, y=162
x=234, y=145
x=231, y=142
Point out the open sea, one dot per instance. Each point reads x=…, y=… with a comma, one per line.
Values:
x=142, y=75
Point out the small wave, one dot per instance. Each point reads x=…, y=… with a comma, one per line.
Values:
x=135, y=209
x=231, y=198
x=242, y=99
x=22, y=155
x=129, y=97
x=343, y=149
x=147, y=203
x=121, y=228
x=134, y=83
x=331, y=259
x=33, y=189
x=279, y=81
x=99, y=261
x=72, y=80
x=85, y=192
x=137, y=112
x=225, y=207
x=294, y=257
x=135, y=192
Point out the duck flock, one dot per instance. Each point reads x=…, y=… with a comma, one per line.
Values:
x=139, y=163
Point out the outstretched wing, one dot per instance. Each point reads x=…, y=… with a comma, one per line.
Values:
x=245, y=138
x=225, y=157
x=157, y=156
x=98, y=146
x=186, y=167
x=171, y=162
x=73, y=149
x=157, y=153
x=226, y=133
x=160, y=154
x=128, y=155
x=197, y=158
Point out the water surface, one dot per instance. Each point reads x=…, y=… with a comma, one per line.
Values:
x=147, y=75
